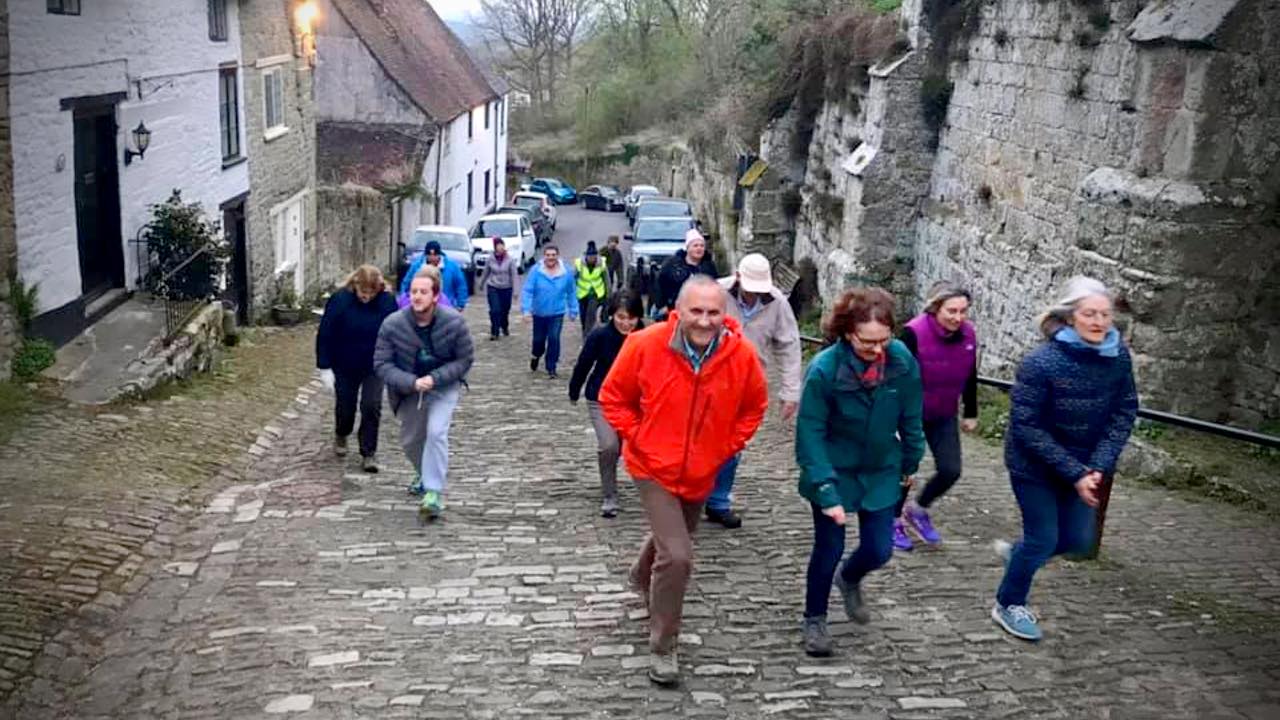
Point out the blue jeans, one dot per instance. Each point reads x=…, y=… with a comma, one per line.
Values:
x=546, y=338
x=875, y=547
x=719, y=499
x=1055, y=521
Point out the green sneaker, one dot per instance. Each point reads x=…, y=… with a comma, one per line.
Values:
x=430, y=508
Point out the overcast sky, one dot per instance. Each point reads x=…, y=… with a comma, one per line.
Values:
x=456, y=9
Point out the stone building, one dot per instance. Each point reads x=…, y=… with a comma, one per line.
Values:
x=402, y=108
x=277, y=38
x=8, y=249
x=85, y=79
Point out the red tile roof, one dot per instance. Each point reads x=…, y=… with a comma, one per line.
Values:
x=420, y=53
x=369, y=155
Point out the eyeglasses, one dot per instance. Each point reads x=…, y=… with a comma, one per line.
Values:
x=1095, y=314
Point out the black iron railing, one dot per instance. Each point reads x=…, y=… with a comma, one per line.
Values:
x=184, y=289
x=1189, y=423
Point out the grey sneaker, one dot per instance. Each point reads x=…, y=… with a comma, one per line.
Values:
x=817, y=639
x=664, y=669
x=369, y=463
x=609, y=508
x=340, y=445
x=853, y=605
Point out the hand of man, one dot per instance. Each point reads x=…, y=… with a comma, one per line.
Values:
x=1087, y=488
x=424, y=383
x=969, y=425
x=526, y=317
x=836, y=513
x=789, y=409
x=327, y=379
x=908, y=482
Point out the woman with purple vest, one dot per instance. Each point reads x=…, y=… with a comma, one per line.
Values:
x=945, y=345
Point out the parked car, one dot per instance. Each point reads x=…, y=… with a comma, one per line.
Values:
x=602, y=197
x=453, y=241
x=654, y=239
x=661, y=207
x=528, y=198
x=541, y=228
x=560, y=192
x=635, y=193
x=516, y=233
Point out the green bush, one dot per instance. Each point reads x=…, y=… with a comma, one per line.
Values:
x=24, y=300
x=34, y=356
x=993, y=414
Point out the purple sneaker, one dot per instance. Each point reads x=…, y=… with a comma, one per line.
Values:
x=900, y=539
x=920, y=522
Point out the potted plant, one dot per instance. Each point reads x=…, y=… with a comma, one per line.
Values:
x=286, y=310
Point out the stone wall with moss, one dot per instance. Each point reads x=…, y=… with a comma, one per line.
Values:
x=8, y=242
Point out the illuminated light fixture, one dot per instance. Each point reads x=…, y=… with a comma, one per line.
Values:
x=141, y=140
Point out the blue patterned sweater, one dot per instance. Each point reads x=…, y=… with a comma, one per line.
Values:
x=1072, y=412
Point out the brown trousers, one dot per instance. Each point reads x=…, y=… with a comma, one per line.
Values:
x=662, y=571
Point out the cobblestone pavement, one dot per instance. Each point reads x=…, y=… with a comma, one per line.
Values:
x=311, y=589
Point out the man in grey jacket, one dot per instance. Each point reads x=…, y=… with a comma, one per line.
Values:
x=423, y=354
x=768, y=322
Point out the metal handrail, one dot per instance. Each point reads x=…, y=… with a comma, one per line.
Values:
x=1160, y=416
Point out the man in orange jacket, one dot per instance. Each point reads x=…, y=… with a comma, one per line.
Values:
x=685, y=396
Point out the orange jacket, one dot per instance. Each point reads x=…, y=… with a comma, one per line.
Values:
x=678, y=427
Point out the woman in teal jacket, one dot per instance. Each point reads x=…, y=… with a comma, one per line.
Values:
x=859, y=438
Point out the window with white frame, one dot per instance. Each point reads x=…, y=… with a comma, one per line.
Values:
x=217, y=20
x=273, y=102
x=229, y=113
x=63, y=7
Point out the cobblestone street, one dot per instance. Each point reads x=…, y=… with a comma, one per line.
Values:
x=305, y=586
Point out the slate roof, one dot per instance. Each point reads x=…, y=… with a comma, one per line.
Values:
x=369, y=155
x=420, y=54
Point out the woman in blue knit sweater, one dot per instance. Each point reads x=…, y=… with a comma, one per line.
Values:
x=1073, y=406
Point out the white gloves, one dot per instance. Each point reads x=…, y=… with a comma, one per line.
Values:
x=326, y=379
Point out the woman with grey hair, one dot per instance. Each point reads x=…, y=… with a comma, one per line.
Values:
x=945, y=345
x=1073, y=407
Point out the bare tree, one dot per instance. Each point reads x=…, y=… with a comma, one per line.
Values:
x=535, y=41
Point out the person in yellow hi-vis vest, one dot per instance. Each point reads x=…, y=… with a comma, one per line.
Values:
x=593, y=286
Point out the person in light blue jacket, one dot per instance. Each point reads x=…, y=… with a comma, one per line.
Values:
x=549, y=294
x=455, y=282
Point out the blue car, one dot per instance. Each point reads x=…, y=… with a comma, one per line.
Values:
x=561, y=193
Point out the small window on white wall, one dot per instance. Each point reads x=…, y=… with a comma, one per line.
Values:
x=273, y=102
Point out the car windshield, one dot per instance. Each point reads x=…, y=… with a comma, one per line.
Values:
x=495, y=228
x=529, y=202
x=447, y=240
x=551, y=182
x=644, y=191
x=519, y=210
x=660, y=230
x=663, y=208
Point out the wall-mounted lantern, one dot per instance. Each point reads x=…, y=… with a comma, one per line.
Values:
x=304, y=19
x=141, y=140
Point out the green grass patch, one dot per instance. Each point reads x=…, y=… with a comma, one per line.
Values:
x=993, y=414
x=886, y=6
x=15, y=402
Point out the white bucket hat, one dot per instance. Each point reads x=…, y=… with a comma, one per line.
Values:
x=754, y=275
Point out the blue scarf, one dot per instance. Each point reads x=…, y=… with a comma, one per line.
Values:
x=1109, y=347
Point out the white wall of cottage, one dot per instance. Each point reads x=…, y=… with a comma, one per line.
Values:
x=157, y=51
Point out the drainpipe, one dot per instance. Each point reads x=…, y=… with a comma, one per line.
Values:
x=493, y=127
x=439, y=153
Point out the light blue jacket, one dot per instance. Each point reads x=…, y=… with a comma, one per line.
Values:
x=546, y=296
x=455, y=283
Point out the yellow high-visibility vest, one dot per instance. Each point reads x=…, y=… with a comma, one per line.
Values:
x=591, y=281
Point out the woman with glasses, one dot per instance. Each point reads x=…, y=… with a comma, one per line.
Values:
x=858, y=441
x=1073, y=406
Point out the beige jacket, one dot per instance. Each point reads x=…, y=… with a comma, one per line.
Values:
x=774, y=333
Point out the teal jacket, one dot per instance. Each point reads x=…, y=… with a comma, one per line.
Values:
x=854, y=445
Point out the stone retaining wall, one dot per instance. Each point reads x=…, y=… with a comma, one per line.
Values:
x=195, y=349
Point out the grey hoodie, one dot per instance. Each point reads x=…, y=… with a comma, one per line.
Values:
x=398, y=345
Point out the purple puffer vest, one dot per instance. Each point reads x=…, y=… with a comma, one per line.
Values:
x=945, y=364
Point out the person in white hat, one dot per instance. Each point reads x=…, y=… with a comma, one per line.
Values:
x=768, y=322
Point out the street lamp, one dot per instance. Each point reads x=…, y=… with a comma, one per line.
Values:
x=141, y=140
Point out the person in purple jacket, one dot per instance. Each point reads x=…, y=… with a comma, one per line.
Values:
x=945, y=344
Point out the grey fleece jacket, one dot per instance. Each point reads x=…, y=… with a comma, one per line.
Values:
x=398, y=346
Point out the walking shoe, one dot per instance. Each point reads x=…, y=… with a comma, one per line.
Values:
x=369, y=463
x=430, y=508
x=415, y=489
x=919, y=520
x=901, y=540
x=851, y=593
x=609, y=508
x=664, y=669
x=551, y=375
x=817, y=638
x=492, y=338
x=727, y=518
x=340, y=445
x=1017, y=620
x=533, y=364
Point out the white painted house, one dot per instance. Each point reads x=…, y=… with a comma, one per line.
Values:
x=400, y=100
x=85, y=74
